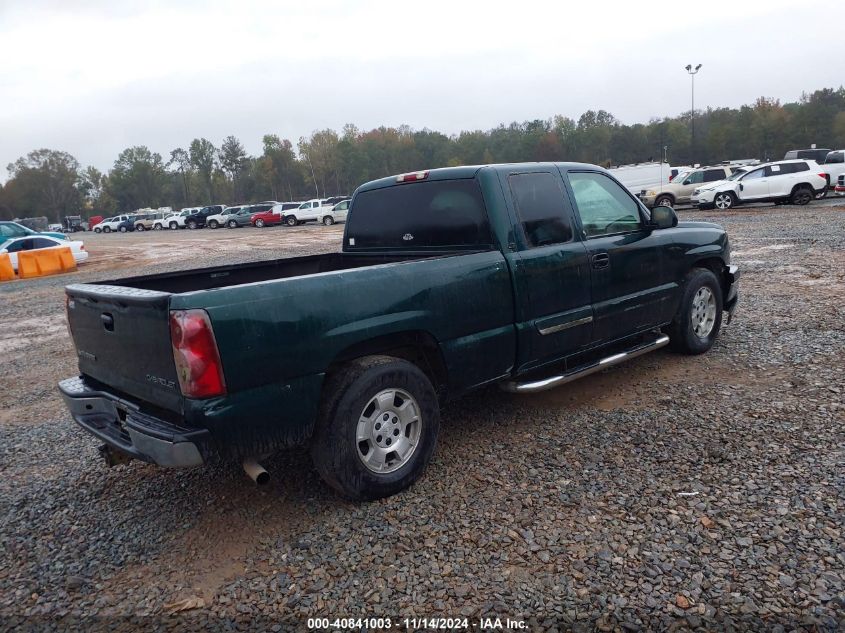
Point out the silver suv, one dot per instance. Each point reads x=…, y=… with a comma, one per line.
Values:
x=680, y=188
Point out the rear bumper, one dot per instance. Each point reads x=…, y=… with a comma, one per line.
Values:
x=122, y=426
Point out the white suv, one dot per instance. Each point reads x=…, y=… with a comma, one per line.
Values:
x=110, y=224
x=793, y=181
x=177, y=220
x=310, y=211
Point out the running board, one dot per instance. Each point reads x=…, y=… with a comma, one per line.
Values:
x=585, y=370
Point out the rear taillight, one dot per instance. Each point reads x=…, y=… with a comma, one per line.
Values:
x=195, y=353
x=823, y=175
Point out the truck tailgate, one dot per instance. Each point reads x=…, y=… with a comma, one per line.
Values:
x=122, y=339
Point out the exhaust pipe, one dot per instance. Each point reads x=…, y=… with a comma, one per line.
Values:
x=256, y=472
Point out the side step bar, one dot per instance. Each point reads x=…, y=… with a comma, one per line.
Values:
x=585, y=370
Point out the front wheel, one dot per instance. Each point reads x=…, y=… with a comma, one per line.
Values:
x=259, y=223
x=213, y=224
x=377, y=427
x=699, y=318
x=97, y=229
x=174, y=225
x=192, y=224
x=157, y=227
x=724, y=200
x=233, y=224
x=663, y=201
x=290, y=220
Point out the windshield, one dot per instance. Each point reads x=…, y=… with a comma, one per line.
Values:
x=739, y=173
x=12, y=229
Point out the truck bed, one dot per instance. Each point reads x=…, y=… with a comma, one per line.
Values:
x=252, y=272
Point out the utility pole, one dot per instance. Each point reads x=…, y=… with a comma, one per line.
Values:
x=692, y=73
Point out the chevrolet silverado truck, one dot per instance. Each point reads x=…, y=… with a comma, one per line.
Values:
x=448, y=280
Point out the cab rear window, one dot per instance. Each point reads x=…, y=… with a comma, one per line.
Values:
x=439, y=213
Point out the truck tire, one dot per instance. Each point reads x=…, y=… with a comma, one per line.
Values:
x=699, y=318
x=290, y=220
x=664, y=201
x=374, y=403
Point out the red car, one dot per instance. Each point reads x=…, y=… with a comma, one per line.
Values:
x=272, y=216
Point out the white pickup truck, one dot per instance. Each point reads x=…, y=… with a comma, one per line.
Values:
x=834, y=166
x=310, y=211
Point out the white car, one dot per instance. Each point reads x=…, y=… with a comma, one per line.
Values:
x=310, y=211
x=220, y=219
x=31, y=243
x=834, y=166
x=336, y=214
x=177, y=220
x=793, y=181
x=110, y=224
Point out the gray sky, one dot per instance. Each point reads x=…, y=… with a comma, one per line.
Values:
x=93, y=77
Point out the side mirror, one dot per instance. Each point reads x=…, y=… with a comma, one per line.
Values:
x=663, y=218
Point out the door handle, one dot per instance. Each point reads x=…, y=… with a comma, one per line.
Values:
x=601, y=260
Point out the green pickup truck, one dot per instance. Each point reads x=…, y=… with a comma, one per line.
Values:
x=526, y=275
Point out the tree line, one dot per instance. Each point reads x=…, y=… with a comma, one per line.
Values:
x=52, y=183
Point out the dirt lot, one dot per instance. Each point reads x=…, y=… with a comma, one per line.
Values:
x=672, y=491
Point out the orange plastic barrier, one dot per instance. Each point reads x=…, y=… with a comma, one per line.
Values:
x=7, y=273
x=48, y=261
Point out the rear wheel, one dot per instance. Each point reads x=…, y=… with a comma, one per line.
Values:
x=107, y=229
x=140, y=227
x=192, y=224
x=377, y=427
x=290, y=220
x=157, y=226
x=724, y=200
x=801, y=196
x=122, y=229
x=259, y=223
x=699, y=318
x=213, y=224
x=822, y=193
x=328, y=220
x=97, y=229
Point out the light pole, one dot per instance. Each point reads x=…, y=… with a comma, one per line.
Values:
x=692, y=73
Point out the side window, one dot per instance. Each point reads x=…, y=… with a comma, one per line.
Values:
x=40, y=242
x=752, y=175
x=800, y=167
x=695, y=178
x=605, y=207
x=712, y=175
x=20, y=245
x=835, y=157
x=541, y=208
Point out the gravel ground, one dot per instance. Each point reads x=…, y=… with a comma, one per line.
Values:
x=700, y=493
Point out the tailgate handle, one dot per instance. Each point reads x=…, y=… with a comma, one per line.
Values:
x=108, y=321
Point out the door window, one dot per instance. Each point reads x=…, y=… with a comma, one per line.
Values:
x=605, y=207
x=712, y=175
x=40, y=242
x=20, y=245
x=753, y=175
x=695, y=178
x=835, y=157
x=540, y=205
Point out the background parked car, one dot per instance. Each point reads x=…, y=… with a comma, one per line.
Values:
x=10, y=229
x=308, y=211
x=176, y=220
x=111, y=224
x=834, y=166
x=680, y=189
x=127, y=225
x=146, y=221
x=274, y=214
x=336, y=214
x=840, y=186
x=197, y=219
x=15, y=245
x=244, y=216
x=815, y=154
x=796, y=182
x=219, y=219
